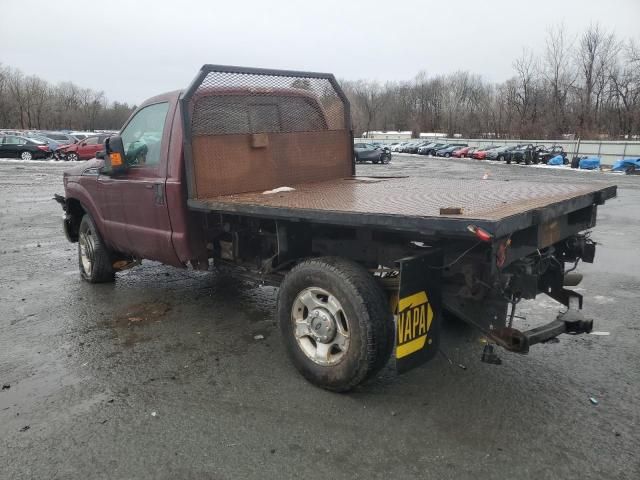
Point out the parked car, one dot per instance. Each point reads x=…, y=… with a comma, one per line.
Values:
x=53, y=144
x=431, y=150
x=414, y=146
x=469, y=153
x=22, y=147
x=500, y=153
x=460, y=152
x=547, y=153
x=404, y=147
x=481, y=153
x=422, y=150
x=448, y=151
x=384, y=147
x=365, y=152
x=83, y=150
x=398, y=146
x=61, y=138
x=522, y=153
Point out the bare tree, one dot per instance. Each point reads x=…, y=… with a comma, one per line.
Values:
x=595, y=55
x=559, y=78
x=369, y=101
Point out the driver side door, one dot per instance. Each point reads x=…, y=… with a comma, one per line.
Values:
x=135, y=210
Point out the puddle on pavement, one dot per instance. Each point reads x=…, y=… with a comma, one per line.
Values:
x=137, y=315
x=142, y=313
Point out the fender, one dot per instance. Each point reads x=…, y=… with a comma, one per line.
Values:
x=76, y=191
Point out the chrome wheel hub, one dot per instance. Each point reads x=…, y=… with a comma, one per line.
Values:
x=85, y=243
x=320, y=325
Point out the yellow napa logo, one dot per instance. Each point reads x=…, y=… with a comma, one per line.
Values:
x=414, y=320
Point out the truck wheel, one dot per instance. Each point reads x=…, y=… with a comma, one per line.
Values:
x=94, y=258
x=335, y=321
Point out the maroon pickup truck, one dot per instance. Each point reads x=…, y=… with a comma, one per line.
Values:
x=252, y=170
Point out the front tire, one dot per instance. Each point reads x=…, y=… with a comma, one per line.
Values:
x=72, y=157
x=94, y=259
x=335, y=321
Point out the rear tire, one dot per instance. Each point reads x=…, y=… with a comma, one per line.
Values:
x=94, y=259
x=26, y=155
x=363, y=314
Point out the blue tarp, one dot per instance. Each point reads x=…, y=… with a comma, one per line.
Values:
x=590, y=163
x=557, y=160
x=623, y=164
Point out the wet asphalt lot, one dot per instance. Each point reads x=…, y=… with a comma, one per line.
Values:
x=160, y=376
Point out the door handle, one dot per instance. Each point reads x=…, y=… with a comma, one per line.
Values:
x=158, y=189
x=148, y=186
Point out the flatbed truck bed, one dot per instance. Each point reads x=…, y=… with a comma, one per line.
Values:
x=414, y=204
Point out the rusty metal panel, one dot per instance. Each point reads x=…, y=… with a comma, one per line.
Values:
x=248, y=129
x=414, y=197
x=226, y=164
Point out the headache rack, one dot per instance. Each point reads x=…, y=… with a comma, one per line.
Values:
x=251, y=129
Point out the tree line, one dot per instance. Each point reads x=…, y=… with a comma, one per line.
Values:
x=29, y=102
x=587, y=86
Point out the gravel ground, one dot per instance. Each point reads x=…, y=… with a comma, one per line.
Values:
x=160, y=376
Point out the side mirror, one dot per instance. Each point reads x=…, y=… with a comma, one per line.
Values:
x=114, y=157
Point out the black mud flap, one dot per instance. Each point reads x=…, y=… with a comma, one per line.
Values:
x=419, y=310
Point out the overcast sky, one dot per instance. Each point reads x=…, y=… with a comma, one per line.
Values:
x=133, y=49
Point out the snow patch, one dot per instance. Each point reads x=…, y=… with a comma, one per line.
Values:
x=278, y=190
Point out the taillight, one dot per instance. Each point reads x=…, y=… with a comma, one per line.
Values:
x=44, y=148
x=480, y=233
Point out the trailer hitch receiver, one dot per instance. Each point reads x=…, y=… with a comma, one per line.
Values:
x=572, y=322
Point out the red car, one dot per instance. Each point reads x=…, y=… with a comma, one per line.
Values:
x=460, y=153
x=83, y=150
x=481, y=153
